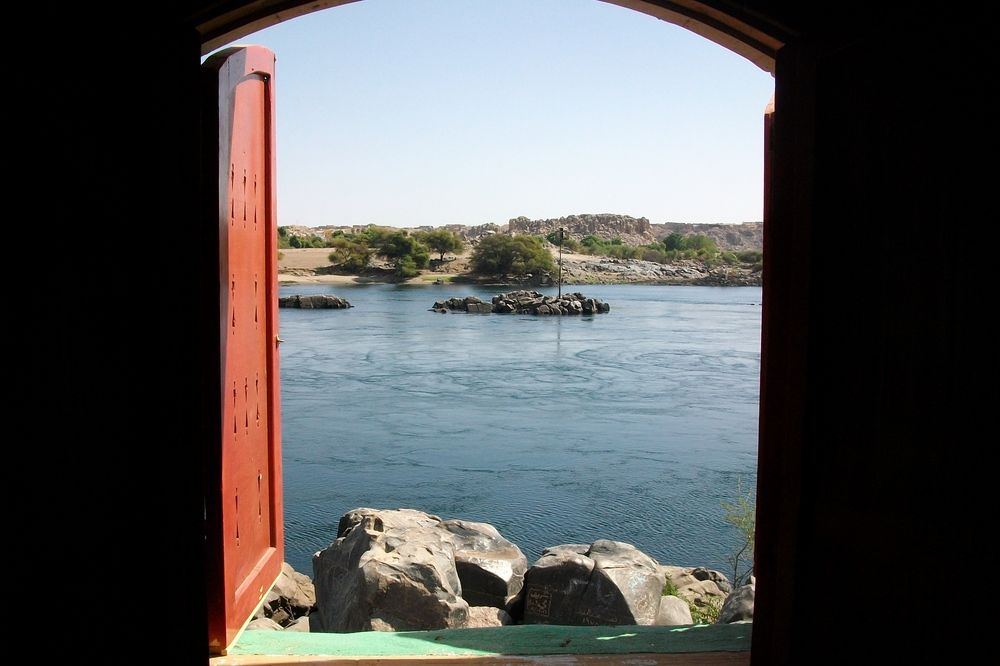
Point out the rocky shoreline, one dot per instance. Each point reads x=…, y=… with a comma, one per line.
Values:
x=406, y=570
x=576, y=270
x=609, y=270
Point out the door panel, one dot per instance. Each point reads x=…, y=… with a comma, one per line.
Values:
x=243, y=494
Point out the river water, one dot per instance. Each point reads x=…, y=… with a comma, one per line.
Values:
x=633, y=425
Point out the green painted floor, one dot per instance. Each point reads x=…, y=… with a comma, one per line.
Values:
x=534, y=639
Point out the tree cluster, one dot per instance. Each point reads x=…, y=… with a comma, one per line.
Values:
x=504, y=255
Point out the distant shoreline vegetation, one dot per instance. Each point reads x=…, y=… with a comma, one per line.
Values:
x=495, y=253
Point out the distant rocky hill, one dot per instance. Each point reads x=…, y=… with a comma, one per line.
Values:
x=745, y=236
x=631, y=230
x=638, y=230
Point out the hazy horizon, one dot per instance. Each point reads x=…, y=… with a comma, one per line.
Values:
x=318, y=226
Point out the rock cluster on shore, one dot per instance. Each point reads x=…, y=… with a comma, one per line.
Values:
x=402, y=569
x=526, y=302
x=288, y=605
x=610, y=270
x=314, y=301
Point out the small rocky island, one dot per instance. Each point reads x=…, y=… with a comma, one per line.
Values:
x=313, y=302
x=526, y=302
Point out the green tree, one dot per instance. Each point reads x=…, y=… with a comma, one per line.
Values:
x=674, y=241
x=501, y=255
x=441, y=241
x=406, y=253
x=283, y=238
x=350, y=255
x=742, y=515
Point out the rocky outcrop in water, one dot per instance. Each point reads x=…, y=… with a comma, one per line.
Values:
x=526, y=302
x=313, y=302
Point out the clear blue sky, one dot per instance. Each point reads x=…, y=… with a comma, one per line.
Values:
x=413, y=112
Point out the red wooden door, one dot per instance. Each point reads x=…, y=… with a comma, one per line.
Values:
x=243, y=496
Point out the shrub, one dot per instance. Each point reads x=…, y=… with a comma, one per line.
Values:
x=707, y=614
x=501, y=254
x=742, y=514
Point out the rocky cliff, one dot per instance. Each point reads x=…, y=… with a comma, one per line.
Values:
x=632, y=230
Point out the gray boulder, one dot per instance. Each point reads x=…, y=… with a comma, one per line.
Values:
x=387, y=571
x=301, y=624
x=393, y=522
x=490, y=567
x=673, y=611
x=699, y=586
x=738, y=606
x=612, y=583
x=717, y=577
x=265, y=624
x=487, y=616
x=295, y=588
x=567, y=549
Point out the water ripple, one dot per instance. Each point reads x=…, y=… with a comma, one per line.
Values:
x=633, y=425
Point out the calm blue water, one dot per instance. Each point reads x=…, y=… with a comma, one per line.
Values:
x=632, y=425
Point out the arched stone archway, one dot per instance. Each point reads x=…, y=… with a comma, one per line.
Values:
x=752, y=37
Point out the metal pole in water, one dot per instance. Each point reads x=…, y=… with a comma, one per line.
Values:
x=560, y=261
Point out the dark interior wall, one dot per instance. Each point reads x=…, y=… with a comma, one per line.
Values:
x=875, y=457
x=880, y=198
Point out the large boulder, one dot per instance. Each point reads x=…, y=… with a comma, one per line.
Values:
x=673, y=611
x=490, y=567
x=388, y=571
x=406, y=570
x=611, y=583
x=738, y=605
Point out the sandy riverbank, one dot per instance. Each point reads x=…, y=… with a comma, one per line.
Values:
x=312, y=266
